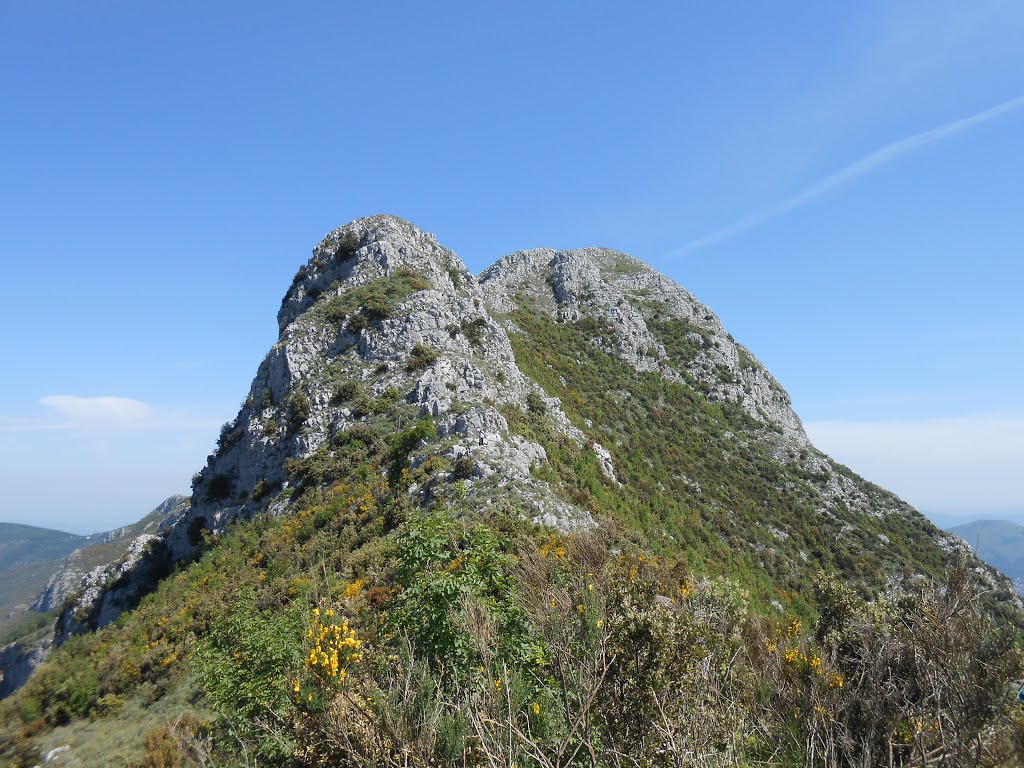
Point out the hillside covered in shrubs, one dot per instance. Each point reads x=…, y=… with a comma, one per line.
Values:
x=555, y=516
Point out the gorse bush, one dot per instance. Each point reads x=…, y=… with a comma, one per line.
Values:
x=917, y=678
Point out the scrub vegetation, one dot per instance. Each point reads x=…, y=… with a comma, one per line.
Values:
x=715, y=616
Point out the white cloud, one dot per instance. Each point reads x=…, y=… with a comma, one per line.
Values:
x=98, y=412
x=91, y=415
x=864, y=165
x=966, y=467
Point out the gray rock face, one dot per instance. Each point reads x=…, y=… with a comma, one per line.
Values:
x=19, y=660
x=90, y=568
x=472, y=373
x=630, y=300
x=335, y=330
x=382, y=311
x=104, y=592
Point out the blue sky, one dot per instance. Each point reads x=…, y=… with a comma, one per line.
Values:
x=840, y=182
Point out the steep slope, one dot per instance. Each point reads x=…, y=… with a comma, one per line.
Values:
x=655, y=325
x=92, y=564
x=570, y=444
x=383, y=322
x=707, y=441
x=380, y=311
x=78, y=578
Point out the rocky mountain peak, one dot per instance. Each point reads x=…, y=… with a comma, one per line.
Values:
x=387, y=343
x=366, y=249
x=648, y=321
x=380, y=314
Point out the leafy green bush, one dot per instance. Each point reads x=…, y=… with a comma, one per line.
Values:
x=243, y=663
x=473, y=330
x=377, y=298
x=299, y=408
x=422, y=357
x=463, y=468
x=402, y=443
x=219, y=487
x=441, y=564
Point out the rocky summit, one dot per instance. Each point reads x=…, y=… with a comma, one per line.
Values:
x=383, y=313
x=474, y=521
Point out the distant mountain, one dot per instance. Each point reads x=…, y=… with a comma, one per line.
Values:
x=999, y=543
x=28, y=557
x=40, y=567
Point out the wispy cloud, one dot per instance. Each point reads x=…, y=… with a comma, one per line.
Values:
x=852, y=171
x=98, y=412
x=109, y=413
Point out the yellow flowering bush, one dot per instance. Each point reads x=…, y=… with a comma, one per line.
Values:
x=333, y=648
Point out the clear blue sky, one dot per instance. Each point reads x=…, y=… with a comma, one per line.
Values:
x=841, y=182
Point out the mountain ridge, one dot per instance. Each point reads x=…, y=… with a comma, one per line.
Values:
x=379, y=291
x=413, y=425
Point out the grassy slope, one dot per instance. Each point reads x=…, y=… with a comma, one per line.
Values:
x=689, y=488
x=698, y=478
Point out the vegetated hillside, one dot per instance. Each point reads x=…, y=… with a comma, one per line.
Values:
x=554, y=517
x=88, y=566
x=28, y=557
x=999, y=543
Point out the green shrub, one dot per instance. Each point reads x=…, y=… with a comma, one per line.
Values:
x=260, y=489
x=463, y=468
x=402, y=443
x=347, y=390
x=243, y=664
x=357, y=323
x=229, y=435
x=219, y=487
x=441, y=563
x=473, y=330
x=377, y=298
x=347, y=245
x=422, y=357
x=298, y=409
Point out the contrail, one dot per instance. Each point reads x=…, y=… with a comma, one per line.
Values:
x=858, y=168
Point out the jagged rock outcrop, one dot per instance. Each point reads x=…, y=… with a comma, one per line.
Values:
x=19, y=660
x=632, y=300
x=88, y=569
x=382, y=313
x=93, y=585
x=381, y=308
